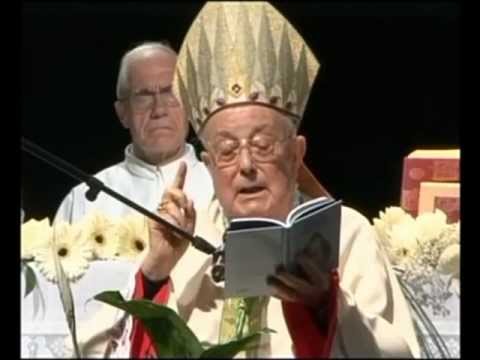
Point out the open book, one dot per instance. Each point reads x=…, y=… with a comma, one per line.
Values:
x=254, y=247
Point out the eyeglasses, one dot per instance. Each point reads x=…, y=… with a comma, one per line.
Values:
x=261, y=147
x=144, y=100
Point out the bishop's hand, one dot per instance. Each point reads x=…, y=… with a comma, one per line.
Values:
x=166, y=247
x=309, y=285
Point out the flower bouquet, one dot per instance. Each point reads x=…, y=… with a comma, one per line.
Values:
x=425, y=254
x=97, y=237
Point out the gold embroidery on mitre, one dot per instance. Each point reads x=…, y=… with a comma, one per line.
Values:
x=243, y=52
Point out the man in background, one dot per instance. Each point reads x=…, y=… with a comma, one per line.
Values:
x=158, y=128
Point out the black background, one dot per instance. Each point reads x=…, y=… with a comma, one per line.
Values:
x=389, y=84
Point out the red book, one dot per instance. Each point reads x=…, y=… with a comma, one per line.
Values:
x=443, y=196
x=427, y=165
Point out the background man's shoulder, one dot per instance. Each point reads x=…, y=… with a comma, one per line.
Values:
x=104, y=175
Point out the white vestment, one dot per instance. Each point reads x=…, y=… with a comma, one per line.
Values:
x=373, y=315
x=140, y=182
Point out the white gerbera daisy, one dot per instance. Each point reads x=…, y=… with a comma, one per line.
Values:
x=449, y=261
x=73, y=250
x=34, y=234
x=429, y=226
x=403, y=243
x=101, y=231
x=133, y=234
x=394, y=215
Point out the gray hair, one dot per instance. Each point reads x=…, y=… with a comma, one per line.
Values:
x=122, y=80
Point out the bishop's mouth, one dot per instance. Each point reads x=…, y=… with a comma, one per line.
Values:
x=251, y=190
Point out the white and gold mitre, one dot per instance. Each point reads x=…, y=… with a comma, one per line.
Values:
x=243, y=52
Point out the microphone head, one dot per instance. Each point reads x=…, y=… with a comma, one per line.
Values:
x=91, y=194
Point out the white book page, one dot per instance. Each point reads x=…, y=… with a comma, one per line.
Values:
x=260, y=222
x=301, y=209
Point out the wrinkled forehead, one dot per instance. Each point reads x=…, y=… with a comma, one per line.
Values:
x=245, y=120
x=151, y=70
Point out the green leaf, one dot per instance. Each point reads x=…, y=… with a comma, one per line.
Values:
x=30, y=279
x=232, y=348
x=170, y=334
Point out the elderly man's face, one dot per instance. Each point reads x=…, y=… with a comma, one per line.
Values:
x=154, y=117
x=253, y=157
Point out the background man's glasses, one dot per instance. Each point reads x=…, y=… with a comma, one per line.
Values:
x=146, y=100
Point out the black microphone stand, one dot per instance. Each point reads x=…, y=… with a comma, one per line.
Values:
x=95, y=186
